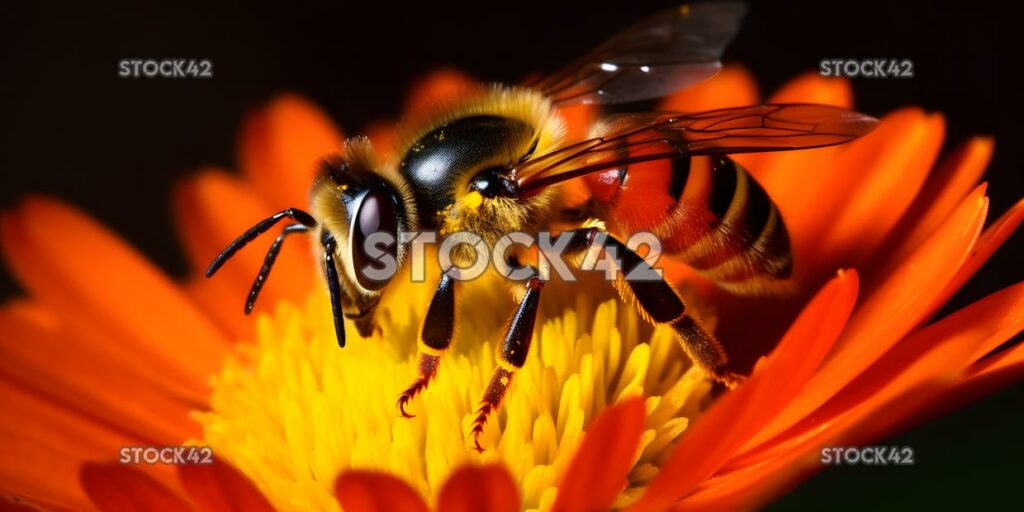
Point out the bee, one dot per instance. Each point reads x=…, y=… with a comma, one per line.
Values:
x=494, y=162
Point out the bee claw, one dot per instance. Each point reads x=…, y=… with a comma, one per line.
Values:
x=478, y=425
x=409, y=394
x=476, y=442
x=401, y=408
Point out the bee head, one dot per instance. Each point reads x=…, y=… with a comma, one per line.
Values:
x=370, y=214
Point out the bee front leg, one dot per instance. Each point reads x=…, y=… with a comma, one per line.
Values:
x=660, y=304
x=511, y=356
x=436, y=335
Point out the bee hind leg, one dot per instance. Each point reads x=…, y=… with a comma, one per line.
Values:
x=659, y=303
x=511, y=356
x=436, y=335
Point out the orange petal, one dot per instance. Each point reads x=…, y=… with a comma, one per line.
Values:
x=954, y=178
x=211, y=210
x=220, y=301
x=840, y=202
x=940, y=352
x=1010, y=360
x=36, y=473
x=371, y=491
x=221, y=487
x=117, y=488
x=884, y=172
x=733, y=86
x=83, y=377
x=471, y=489
x=886, y=314
x=43, y=444
x=16, y=504
x=738, y=415
x=280, y=145
x=382, y=136
x=990, y=240
x=97, y=284
x=437, y=86
x=918, y=375
x=597, y=473
x=811, y=87
x=753, y=486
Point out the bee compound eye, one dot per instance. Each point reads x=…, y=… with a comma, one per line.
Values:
x=374, y=237
x=493, y=183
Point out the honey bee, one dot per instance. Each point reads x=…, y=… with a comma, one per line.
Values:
x=492, y=163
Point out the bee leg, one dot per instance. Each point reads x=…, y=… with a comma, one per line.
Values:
x=660, y=303
x=252, y=233
x=333, y=284
x=511, y=356
x=436, y=336
x=268, y=263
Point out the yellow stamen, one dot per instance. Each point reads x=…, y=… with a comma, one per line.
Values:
x=293, y=410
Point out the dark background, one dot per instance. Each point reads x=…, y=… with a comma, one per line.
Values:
x=73, y=129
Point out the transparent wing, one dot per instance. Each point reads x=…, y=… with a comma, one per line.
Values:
x=662, y=54
x=633, y=138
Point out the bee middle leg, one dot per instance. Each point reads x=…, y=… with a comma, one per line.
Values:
x=435, y=337
x=659, y=303
x=512, y=352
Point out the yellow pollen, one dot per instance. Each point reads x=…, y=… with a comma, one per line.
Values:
x=473, y=200
x=292, y=410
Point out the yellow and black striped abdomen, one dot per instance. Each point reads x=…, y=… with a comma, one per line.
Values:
x=709, y=212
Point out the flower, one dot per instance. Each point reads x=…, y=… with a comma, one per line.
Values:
x=107, y=352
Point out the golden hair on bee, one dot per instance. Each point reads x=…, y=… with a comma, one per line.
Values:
x=460, y=157
x=526, y=105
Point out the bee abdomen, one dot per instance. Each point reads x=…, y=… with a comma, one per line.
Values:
x=711, y=214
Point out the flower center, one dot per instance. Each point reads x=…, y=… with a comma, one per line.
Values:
x=293, y=410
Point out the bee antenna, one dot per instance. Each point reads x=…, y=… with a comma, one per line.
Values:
x=268, y=263
x=333, y=285
x=252, y=233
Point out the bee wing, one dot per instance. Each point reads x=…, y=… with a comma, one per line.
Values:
x=655, y=57
x=633, y=138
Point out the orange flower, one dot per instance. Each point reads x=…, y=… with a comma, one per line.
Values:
x=107, y=352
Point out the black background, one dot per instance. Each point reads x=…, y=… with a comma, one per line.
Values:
x=73, y=129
